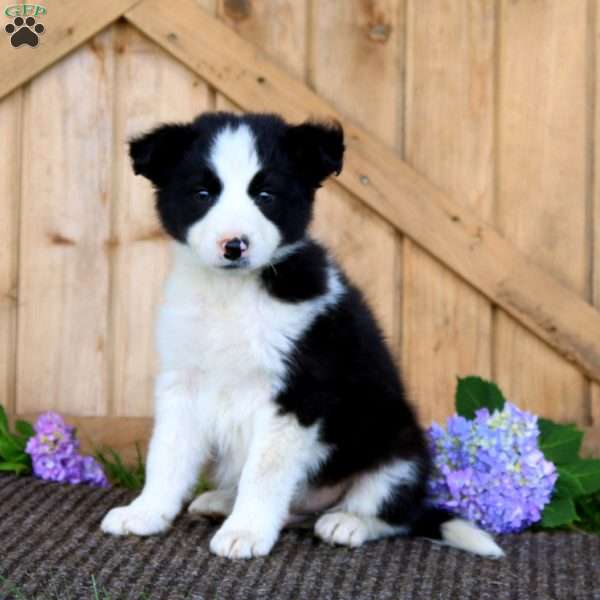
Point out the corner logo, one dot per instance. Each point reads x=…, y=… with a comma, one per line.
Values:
x=24, y=30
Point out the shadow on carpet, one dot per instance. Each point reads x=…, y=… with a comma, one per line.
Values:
x=51, y=548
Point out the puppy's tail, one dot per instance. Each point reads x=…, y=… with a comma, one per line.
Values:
x=441, y=525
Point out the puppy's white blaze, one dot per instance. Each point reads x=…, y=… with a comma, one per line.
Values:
x=234, y=159
x=233, y=156
x=466, y=536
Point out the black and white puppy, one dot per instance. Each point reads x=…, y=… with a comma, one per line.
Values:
x=274, y=376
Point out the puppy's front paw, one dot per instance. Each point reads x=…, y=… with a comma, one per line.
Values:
x=236, y=543
x=137, y=520
x=341, y=528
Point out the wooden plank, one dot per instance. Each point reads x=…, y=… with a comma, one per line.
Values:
x=278, y=27
x=63, y=285
x=164, y=90
x=364, y=42
x=591, y=442
x=542, y=163
x=357, y=55
x=450, y=232
x=10, y=191
x=67, y=24
x=223, y=103
x=593, y=102
x=449, y=139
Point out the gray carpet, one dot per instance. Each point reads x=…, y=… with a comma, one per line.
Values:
x=51, y=547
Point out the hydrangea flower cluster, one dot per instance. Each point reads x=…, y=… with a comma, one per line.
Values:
x=54, y=451
x=490, y=470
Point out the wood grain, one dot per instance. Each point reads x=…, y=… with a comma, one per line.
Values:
x=591, y=442
x=450, y=232
x=67, y=24
x=10, y=188
x=278, y=27
x=164, y=90
x=449, y=139
x=542, y=194
x=63, y=277
x=356, y=61
x=364, y=41
x=593, y=104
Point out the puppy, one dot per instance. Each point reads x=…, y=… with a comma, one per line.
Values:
x=274, y=376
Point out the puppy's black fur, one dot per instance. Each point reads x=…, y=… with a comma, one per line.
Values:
x=296, y=160
x=341, y=373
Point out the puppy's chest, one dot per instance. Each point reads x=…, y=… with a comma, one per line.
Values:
x=230, y=331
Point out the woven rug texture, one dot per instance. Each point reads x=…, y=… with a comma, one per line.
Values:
x=51, y=548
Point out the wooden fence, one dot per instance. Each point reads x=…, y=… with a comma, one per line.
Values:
x=468, y=209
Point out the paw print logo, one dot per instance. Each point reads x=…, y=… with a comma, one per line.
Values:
x=24, y=31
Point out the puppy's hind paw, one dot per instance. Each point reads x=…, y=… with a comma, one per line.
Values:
x=126, y=520
x=215, y=503
x=342, y=528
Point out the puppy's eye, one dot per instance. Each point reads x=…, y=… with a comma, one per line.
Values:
x=266, y=196
x=203, y=194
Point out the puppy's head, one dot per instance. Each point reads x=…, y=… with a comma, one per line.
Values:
x=237, y=189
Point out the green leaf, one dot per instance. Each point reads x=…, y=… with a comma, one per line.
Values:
x=567, y=486
x=546, y=425
x=131, y=477
x=16, y=468
x=473, y=393
x=17, y=441
x=588, y=510
x=559, y=443
x=586, y=472
x=558, y=513
x=22, y=458
x=8, y=449
x=3, y=420
x=13, y=457
x=25, y=428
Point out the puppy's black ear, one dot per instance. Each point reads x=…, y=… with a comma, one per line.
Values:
x=154, y=154
x=317, y=148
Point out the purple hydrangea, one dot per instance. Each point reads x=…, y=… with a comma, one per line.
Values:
x=490, y=470
x=92, y=472
x=54, y=452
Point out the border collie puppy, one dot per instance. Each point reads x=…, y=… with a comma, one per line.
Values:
x=275, y=379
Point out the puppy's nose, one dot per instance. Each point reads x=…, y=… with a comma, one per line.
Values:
x=233, y=248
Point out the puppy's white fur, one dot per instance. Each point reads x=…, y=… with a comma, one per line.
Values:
x=219, y=370
x=462, y=534
x=223, y=343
